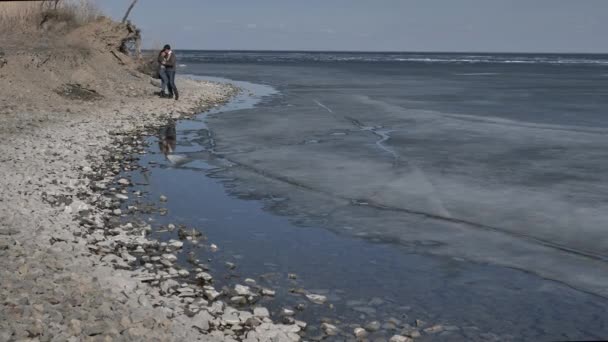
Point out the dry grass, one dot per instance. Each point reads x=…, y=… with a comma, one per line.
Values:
x=28, y=16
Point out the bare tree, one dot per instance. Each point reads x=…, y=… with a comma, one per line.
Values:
x=124, y=19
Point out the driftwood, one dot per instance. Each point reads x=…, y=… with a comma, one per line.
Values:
x=124, y=19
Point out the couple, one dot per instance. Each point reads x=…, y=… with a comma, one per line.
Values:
x=166, y=61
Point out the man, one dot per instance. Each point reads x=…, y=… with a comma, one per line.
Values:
x=162, y=72
x=170, y=70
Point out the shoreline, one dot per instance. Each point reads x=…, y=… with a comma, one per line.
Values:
x=55, y=288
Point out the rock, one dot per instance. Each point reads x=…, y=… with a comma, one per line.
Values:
x=399, y=338
x=201, y=320
x=210, y=292
x=168, y=285
x=128, y=258
x=242, y=290
x=122, y=197
x=238, y=300
x=414, y=334
x=288, y=312
x=250, y=281
x=301, y=324
x=360, y=332
x=268, y=292
x=213, y=247
x=253, y=322
x=75, y=327
x=183, y=273
x=231, y=318
x=434, y=329
x=117, y=212
x=373, y=326
x=261, y=312
x=139, y=250
x=169, y=257
x=217, y=308
x=163, y=198
x=292, y=276
x=204, y=276
x=329, y=329
x=230, y=265
x=174, y=244
x=317, y=299
x=124, y=181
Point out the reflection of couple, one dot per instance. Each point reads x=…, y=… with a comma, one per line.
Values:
x=166, y=61
x=167, y=139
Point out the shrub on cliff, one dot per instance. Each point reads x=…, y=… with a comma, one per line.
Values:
x=45, y=15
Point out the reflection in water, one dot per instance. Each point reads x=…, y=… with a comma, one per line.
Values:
x=167, y=139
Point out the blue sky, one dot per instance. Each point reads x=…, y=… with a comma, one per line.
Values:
x=372, y=25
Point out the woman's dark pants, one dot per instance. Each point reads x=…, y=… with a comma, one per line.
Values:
x=171, y=83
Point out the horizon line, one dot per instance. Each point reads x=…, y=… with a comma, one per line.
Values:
x=389, y=51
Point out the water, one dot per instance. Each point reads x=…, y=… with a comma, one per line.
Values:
x=465, y=190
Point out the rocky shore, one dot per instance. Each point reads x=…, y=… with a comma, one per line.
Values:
x=68, y=105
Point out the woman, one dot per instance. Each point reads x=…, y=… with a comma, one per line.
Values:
x=162, y=71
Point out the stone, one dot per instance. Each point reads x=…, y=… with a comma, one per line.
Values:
x=239, y=300
x=253, y=322
x=317, y=299
x=268, y=292
x=163, y=198
x=128, y=258
x=242, y=290
x=230, y=265
x=206, y=277
x=168, y=285
x=400, y=338
x=434, y=329
x=231, y=318
x=288, y=312
x=292, y=276
x=210, y=292
x=414, y=334
x=201, y=320
x=124, y=181
x=373, y=326
x=169, y=257
x=360, y=332
x=217, y=308
x=329, y=329
x=261, y=312
x=183, y=273
x=174, y=244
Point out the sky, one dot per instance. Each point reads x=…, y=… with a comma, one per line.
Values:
x=579, y=26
